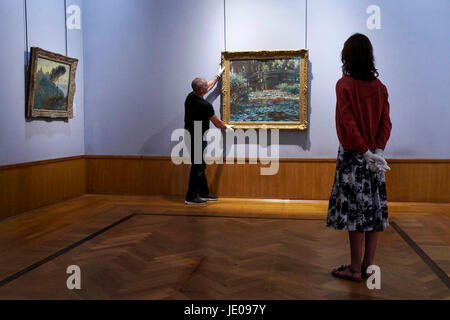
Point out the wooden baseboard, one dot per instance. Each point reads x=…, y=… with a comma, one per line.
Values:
x=27, y=186
x=410, y=180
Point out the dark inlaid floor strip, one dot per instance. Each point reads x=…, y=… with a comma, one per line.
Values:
x=60, y=252
x=441, y=274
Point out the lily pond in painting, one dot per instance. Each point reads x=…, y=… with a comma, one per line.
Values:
x=52, y=85
x=264, y=89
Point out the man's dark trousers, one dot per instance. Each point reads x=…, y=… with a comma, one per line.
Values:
x=197, y=178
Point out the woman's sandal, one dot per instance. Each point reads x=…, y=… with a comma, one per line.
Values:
x=338, y=273
x=364, y=273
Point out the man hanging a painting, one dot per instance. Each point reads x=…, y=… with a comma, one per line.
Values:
x=199, y=112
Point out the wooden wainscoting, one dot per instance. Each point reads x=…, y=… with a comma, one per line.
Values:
x=31, y=185
x=296, y=178
x=417, y=180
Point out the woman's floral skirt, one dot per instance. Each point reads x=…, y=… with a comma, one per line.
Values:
x=358, y=199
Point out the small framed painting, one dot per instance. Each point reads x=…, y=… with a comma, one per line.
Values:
x=265, y=89
x=52, y=85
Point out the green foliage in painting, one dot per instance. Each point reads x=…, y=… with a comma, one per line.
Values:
x=238, y=88
x=285, y=87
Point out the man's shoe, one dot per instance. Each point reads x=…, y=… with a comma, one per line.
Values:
x=209, y=197
x=195, y=200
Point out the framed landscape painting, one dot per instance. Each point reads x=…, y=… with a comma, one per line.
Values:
x=52, y=85
x=265, y=89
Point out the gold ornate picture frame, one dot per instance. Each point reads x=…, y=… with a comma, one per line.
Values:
x=51, y=85
x=265, y=89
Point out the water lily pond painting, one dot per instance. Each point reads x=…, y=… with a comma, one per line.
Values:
x=265, y=89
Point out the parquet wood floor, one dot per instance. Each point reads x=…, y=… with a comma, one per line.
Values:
x=231, y=249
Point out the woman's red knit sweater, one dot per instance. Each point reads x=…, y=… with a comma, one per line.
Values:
x=362, y=114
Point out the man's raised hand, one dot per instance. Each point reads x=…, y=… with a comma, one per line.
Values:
x=221, y=70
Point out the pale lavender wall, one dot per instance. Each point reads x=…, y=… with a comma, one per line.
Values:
x=411, y=51
x=21, y=140
x=141, y=56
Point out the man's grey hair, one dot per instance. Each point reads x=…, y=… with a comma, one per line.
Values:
x=197, y=84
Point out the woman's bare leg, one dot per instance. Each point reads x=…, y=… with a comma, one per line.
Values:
x=356, y=244
x=370, y=247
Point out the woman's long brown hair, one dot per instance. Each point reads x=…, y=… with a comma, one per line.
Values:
x=357, y=58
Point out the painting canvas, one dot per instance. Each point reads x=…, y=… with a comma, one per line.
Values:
x=265, y=89
x=52, y=85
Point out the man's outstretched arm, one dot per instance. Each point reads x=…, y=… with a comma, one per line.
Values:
x=214, y=80
x=218, y=123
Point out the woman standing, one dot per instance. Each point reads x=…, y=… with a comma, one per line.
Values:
x=358, y=200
